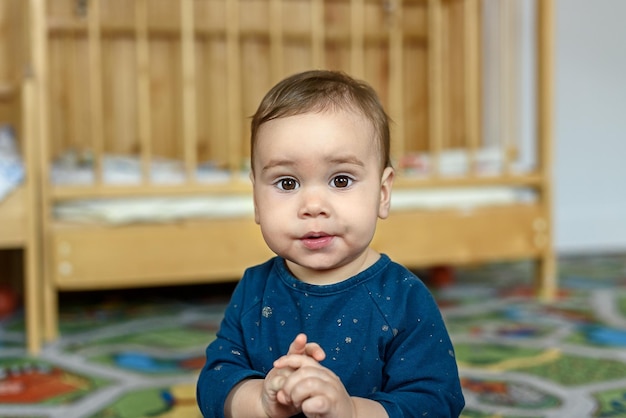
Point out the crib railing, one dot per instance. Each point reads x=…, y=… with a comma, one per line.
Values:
x=157, y=79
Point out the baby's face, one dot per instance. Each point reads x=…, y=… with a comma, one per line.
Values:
x=319, y=190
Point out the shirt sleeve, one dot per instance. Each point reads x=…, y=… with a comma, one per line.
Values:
x=421, y=375
x=227, y=362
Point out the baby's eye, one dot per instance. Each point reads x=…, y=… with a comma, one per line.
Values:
x=341, y=182
x=287, y=183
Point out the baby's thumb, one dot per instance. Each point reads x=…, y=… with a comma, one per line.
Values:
x=274, y=385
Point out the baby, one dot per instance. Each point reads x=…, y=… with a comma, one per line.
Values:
x=329, y=327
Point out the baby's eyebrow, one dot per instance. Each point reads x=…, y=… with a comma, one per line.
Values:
x=278, y=163
x=349, y=159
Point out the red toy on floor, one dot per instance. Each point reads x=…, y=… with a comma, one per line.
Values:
x=9, y=301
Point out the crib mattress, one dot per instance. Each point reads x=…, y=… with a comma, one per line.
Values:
x=170, y=209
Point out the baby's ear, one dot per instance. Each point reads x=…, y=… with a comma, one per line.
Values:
x=256, y=212
x=386, y=183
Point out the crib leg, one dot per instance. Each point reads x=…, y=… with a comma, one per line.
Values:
x=33, y=311
x=546, y=276
x=51, y=313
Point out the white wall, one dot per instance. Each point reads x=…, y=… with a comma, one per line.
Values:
x=590, y=125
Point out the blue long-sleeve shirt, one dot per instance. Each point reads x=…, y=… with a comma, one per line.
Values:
x=381, y=330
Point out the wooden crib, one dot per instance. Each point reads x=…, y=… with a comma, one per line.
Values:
x=174, y=82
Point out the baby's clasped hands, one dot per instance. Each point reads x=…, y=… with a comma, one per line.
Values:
x=299, y=381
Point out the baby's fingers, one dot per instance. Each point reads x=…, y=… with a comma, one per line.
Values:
x=300, y=346
x=316, y=405
x=315, y=351
x=274, y=384
x=319, y=393
x=295, y=361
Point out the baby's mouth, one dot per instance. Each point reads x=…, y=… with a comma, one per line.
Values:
x=316, y=240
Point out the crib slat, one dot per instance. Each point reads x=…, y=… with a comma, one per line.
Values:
x=490, y=74
x=435, y=83
x=143, y=86
x=39, y=37
x=317, y=33
x=506, y=83
x=448, y=117
x=233, y=80
x=545, y=96
x=514, y=69
x=471, y=81
x=396, y=78
x=74, y=91
x=95, y=87
x=189, y=88
x=276, y=39
x=357, y=34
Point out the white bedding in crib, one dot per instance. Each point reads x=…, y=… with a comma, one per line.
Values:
x=74, y=169
x=124, y=170
x=12, y=169
x=159, y=209
x=153, y=209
